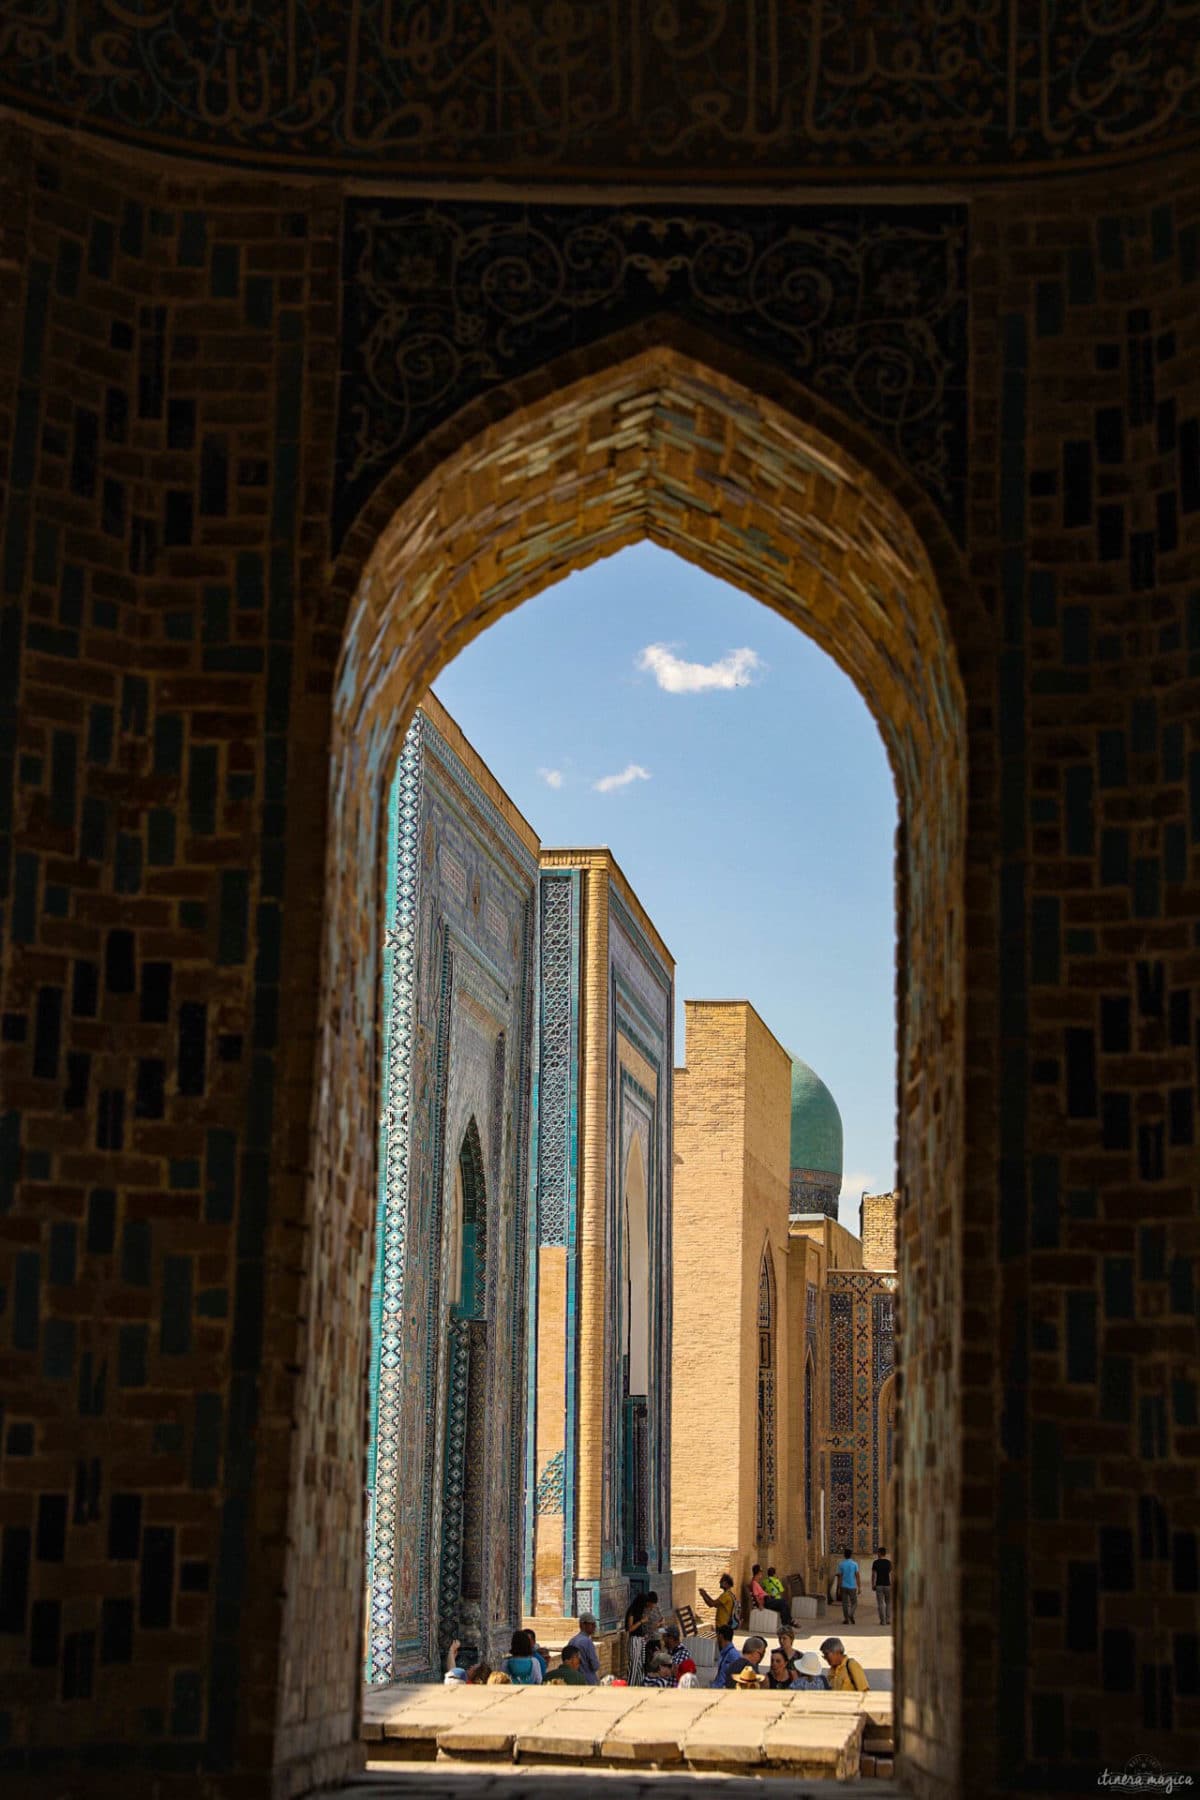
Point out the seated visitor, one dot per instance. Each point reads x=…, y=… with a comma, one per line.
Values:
x=689, y=1680
x=847, y=1673
x=543, y=1656
x=659, y=1674
x=681, y=1663
x=809, y=1673
x=781, y=1673
x=745, y=1678
x=773, y=1585
x=725, y=1603
x=479, y=1674
x=589, y=1660
x=521, y=1665
x=453, y=1673
x=787, y=1643
x=762, y=1600
x=568, y=1669
x=729, y=1656
x=752, y=1653
x=498, y=1678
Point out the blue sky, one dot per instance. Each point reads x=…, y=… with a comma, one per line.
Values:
x=739, y=780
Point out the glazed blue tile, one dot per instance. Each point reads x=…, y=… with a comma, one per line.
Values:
x=224, y=272
x=206, y=1441
x=233, y=917
x=156, y=1592
x=1147, y=887
x=132, y=1344
x=45, y=553
x=127, y=873
x=175, y=1332
x=15, y=1547
x=124, y=1527
x=192, y=247
x=220, y=1176
x=1044, y=1202
x=136, y=1253
x=58, y=1349
x=160, y=837
x=100, y=249
x=101, y=1222
x=1078, y=808
x=248, y=583
x=260, y=1103
x=260, y=297
x=100, y=734
x=1076, y=635
x=61, y=1262
x=26, y=1300
x=1081, y=278
x=234, y=659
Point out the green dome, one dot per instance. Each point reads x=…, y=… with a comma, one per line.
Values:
x=816, y=1123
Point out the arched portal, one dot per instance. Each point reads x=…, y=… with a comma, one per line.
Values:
x=711, y=455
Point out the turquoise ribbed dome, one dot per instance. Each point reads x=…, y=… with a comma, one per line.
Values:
x=816, y=1123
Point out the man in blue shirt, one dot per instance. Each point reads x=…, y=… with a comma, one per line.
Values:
x=848, y=1576
x=731, y=1661
x=729, y=1657
x=589, y=1661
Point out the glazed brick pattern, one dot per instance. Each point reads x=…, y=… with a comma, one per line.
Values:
x=1087, y=533
x=150, y=552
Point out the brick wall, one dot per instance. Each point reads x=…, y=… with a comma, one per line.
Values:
x=877, y=1230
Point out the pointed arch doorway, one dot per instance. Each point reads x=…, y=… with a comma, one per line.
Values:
x=705, y=452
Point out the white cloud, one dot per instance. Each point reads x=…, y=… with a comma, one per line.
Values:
x=858, y=1183
x=675, y=676
x=608, y=784
x=553, y=778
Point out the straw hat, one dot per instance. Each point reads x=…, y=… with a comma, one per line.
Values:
x=809, y=1664
x=746, y=1678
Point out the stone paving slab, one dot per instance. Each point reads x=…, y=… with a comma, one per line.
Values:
x=655, y=1731
x=497, y=1729
x=806, y=1734
x=731, y=1733
x=420, y=1712
x=815, y=1746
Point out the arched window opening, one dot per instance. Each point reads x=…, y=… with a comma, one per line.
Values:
x=765, y=1524
x=465, y=1478
x=468, y=1271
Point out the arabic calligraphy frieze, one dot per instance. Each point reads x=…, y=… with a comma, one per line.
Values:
x=635, y=86
x=865, y=306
